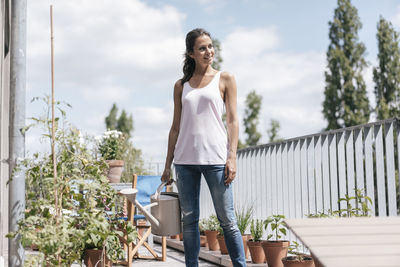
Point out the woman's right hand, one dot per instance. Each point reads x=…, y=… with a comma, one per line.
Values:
x=166, y=176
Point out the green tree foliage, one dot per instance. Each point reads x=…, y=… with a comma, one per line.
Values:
x=251, y=118
x=123, y=124
x=346, y=102
x=111, y=120
x=217, y=56
x=273, y=131
x=387, y=73
x=133, y=158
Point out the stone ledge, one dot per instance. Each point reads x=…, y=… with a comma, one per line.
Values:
x=206, y=254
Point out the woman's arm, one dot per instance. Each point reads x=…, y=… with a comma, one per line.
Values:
x=173, y=132
x=232, y=124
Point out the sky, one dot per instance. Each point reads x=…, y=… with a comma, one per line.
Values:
x=130, y=52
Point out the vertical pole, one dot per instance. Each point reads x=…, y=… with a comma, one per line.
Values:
x=17, y=122
x=53, y=126
x=164, y=248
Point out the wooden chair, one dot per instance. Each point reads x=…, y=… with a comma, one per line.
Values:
x=132, y=249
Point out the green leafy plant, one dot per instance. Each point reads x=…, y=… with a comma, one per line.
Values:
x=256, y=229
x=62, y=231
x=213, y=223
x=202, y=226
x=243, y=216
x=111, y=145
x=360, y=210
x=278, y=227
x=294, y=249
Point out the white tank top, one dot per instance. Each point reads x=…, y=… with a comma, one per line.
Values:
x=202, y=136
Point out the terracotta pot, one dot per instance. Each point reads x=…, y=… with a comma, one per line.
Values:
x=246, y=249
x=203, y=241
x=256, y=252
x=181, y=236
x=222, y=245
x=174, y=237
x=275, y=251
x=212, y=240
x=291, y=261
x=115, y=168
x=93, y=256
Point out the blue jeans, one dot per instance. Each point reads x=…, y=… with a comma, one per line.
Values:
x=188, y=183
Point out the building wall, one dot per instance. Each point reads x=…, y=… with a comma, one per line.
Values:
x=4, y=135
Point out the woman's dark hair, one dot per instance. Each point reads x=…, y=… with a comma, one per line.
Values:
x=189, y=63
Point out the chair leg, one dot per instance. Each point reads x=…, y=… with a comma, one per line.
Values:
x=164, y=248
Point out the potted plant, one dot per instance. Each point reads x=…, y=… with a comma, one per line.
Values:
x=59, y=205
x=202, y=228
x=111, y=148
x=254, y=244
x=212, y=232
x=221, y=241
x=243, y=216
x=276, y=249
x=299, y=259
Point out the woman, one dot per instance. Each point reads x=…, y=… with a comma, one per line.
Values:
x=199, y=144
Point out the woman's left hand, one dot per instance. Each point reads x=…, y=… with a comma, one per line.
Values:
x=230, y=171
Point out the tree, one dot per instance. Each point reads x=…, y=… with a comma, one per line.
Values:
x=123, y=124
x=387, y=74
x=346, y=102
x=251, y=118
x=273, y=131
x=111, y=119
x=217, y=54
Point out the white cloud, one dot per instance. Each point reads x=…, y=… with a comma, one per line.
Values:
x=291, y=84
x=396, y=18
x=105, y=51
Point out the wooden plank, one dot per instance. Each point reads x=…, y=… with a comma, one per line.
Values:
x=334, y=221
x=358, y=137
x=369, y=167
x=390, y=170
x=285, y=182
x=318, y=174
x=360, y=240
x=263, y=185
x=326, y=194
x=304, y=180
x=269, y=181
x=297, y=181
x=274, y=181
x=374, y=260
x=279, y=181
x=290, y=179
x=359, y=250
x=380, y=171
x=257, y=188
x=341, y=166
x=349, y=230
x=350, y=166
x=310, y=175
x=333, y=172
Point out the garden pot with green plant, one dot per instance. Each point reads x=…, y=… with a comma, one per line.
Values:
x=59, y=205
x=243, y=216
x=111, y=146
x=221, y=241
x=212, y=232
x=202, y=228
x=254, y=244
x=276, y=249
x=298, y=258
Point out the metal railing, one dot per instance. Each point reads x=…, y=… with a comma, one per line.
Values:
x=309, y=174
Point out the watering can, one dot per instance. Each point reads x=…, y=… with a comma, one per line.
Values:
x=165, y=213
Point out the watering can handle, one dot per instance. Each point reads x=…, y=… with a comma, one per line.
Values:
x=159, y=188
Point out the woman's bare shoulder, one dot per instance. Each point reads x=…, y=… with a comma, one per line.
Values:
x=227, y=76
x=178, y=85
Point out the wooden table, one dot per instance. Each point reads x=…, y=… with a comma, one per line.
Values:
x=342, y=242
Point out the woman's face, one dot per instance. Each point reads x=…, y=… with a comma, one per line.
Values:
x=203, y=50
